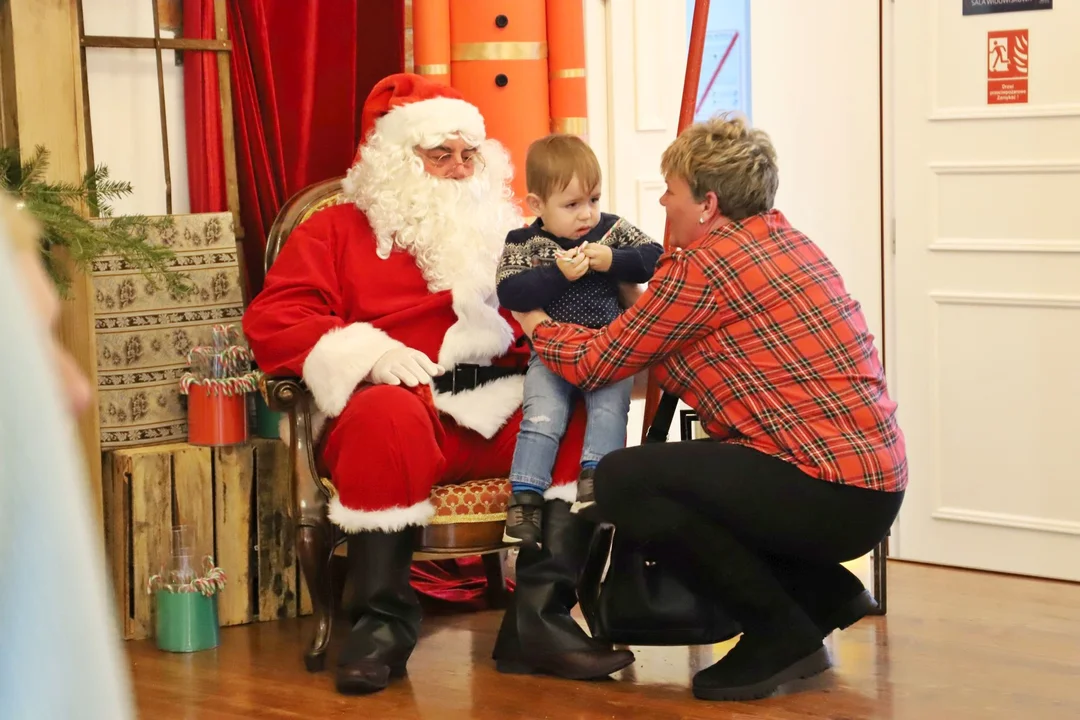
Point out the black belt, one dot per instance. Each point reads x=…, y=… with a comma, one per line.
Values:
x=468, y=377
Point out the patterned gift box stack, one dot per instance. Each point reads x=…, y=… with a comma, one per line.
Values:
x=144, y=334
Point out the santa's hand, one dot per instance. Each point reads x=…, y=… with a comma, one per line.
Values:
x=404, y=365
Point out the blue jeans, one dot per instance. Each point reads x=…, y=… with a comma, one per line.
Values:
x=549, y=401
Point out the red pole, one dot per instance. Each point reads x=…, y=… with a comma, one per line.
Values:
x=686, y=117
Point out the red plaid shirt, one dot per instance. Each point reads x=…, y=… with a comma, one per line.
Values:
x=752, y=327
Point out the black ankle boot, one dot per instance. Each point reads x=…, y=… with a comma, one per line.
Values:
x=763, y=661
x=829, y=593
x=586, y=495
x=779, y=643
x=384, y=609
x=524, y=519
x=538, y=635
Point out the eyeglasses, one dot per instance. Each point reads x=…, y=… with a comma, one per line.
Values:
x=445, y=161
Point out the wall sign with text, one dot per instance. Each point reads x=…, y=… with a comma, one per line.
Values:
x=982, y=7
x=1006, y=67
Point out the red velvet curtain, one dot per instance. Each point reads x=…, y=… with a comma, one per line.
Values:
x=300, y=72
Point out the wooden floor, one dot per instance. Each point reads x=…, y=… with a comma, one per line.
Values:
x=955, y=645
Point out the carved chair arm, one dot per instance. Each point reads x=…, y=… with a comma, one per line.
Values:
x=283, y=393
x=310, y=491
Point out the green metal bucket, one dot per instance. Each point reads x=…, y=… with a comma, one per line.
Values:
x=186, y=621
x=266, y=420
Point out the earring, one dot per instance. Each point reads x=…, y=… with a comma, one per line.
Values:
x=701, y=220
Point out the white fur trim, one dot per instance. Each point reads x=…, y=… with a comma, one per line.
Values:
x=487, y=408
x=567, y=492
x=389, y=520
x=480, y=332
x=340, y=361
x=429, y=122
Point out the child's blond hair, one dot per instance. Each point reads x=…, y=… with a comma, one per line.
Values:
x=553, y=161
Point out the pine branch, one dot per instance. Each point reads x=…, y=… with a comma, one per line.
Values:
x=10, y=167
x=101, y=189
x=33, y=170
x=56, y=207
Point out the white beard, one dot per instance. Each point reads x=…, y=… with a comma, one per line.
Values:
x=455, y=229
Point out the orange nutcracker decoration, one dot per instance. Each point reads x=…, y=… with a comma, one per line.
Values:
x=521, y=62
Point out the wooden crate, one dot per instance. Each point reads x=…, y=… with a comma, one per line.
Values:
x=235, y=498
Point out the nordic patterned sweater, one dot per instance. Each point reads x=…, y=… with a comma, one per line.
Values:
x=529, y=279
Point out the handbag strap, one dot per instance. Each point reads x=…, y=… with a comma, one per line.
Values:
x=601, y=545
x=665, y=412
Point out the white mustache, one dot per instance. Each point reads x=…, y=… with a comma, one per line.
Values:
x=473, y=188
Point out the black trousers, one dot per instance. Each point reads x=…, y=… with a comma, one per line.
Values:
x=762, y=536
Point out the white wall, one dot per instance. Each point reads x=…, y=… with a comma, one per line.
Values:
x=124, y=109
x=815, y=85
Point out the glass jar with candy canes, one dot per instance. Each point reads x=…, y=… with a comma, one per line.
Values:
x=217, y=383
x=185, y=600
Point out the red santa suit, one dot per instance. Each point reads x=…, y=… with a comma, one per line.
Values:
x=343, y=292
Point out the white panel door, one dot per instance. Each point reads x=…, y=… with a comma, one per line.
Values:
x=646, y=44
x=987, y=290
x=638, y=98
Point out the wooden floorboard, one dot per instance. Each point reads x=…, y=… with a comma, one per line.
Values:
x=955, y=645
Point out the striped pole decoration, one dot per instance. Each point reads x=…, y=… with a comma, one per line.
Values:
x=431, y=39
x=499, y=62
x=566, y=67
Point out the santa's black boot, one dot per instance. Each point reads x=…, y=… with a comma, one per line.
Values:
x=384, y=609
x=538, y=635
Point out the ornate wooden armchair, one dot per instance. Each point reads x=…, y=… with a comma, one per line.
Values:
x=469, y=517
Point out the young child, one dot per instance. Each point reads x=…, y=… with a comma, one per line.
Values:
x=570, y=262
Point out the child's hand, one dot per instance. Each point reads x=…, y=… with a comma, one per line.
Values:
x=573, y=264
x=599, y=256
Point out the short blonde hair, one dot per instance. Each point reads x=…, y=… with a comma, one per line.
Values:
x=724, y=155
x=553, y=161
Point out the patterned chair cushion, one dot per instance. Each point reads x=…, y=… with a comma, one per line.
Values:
x=471, y=502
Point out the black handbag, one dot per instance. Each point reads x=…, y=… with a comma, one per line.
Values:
x=641, y=599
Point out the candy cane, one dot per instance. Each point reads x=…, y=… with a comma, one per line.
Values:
x=186, y=381
x=219, y=336
x=212, y=581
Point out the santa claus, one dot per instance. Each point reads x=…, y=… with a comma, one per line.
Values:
x=386, y=306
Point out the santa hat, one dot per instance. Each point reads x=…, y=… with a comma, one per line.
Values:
x=407, y=110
